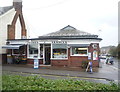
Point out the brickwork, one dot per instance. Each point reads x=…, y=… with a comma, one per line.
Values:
x=59, y=62
x=11, y=32
x=31, y=61
x=77, y=60
x=17, y=5
x=11, y=28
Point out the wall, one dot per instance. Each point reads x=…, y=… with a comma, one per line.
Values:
x=31, y=61
x=18, y=29
x=5, y=19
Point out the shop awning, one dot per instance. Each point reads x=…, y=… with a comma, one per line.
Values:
x=12, y=46
x=78, y=45
x=62, y=46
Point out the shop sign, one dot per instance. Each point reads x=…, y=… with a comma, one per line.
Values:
x=89, y=55
x=94, y=46
x=95, y=55
x=59, y=42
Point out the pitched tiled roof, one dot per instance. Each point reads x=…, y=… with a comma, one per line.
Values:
x=5, y=9
x=66, y=33
x=69, y=31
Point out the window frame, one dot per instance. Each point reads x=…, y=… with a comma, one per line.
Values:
x=18, y=52
x=58, y=58
x=33, y=56
x=15, y=53
x=71, y=50
x=41, y=51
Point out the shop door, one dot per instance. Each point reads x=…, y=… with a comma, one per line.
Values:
x=47, y=55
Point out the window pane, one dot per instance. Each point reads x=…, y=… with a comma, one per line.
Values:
x=33, y=50
x=79, y=51
x=22, y=50
x=15, y=51
x=59, y=50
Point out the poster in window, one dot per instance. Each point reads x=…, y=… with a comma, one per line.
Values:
x=95, y=56
x=89, y=55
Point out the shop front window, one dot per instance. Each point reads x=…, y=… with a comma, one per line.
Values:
x=33, y=50
x=20, y=51
x=78, y=51
x=15, y=51
x=59, y=51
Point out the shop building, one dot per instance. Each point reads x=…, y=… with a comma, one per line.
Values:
x=66, y=47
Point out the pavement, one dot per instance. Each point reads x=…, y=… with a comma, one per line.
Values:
x=105, y=74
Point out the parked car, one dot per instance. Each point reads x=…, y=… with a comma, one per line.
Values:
x=109, y=60
x=103, y=56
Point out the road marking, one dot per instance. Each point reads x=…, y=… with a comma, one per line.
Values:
x=114, y=68
x=73, y=77
x=80, y=77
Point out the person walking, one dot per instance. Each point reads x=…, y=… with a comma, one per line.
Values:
x=90, y=67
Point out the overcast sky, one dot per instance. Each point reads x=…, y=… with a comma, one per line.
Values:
x=94, y=16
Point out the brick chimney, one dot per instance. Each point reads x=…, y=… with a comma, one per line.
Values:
x=17, y=4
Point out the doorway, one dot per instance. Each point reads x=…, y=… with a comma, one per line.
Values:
x=47, y=54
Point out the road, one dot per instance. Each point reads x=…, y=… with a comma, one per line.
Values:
x=112, y=69
x=105, y=74
x=114, y=66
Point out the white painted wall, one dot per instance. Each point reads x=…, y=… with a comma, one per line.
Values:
x=5, y=19
x=18, y=29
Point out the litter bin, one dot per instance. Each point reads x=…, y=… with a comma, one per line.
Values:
x=36, y=63
x=9, y=59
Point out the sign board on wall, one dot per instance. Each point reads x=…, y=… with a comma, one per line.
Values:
x=59, y=42
x=94, y=46
x=89, y=55
x=95, y=55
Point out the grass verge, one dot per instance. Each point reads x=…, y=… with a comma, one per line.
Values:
x=20, y=83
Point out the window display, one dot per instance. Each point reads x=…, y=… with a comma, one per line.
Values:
x=59, y=50
x=15, y=51
x=20, y=51
x=79, y=51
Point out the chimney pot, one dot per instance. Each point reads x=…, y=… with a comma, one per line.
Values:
x=17, y=4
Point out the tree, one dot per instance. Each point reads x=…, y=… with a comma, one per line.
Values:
x=113, y=51
x=118, y=49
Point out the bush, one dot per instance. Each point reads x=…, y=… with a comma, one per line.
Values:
x=84, y=64
x=20, y=83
